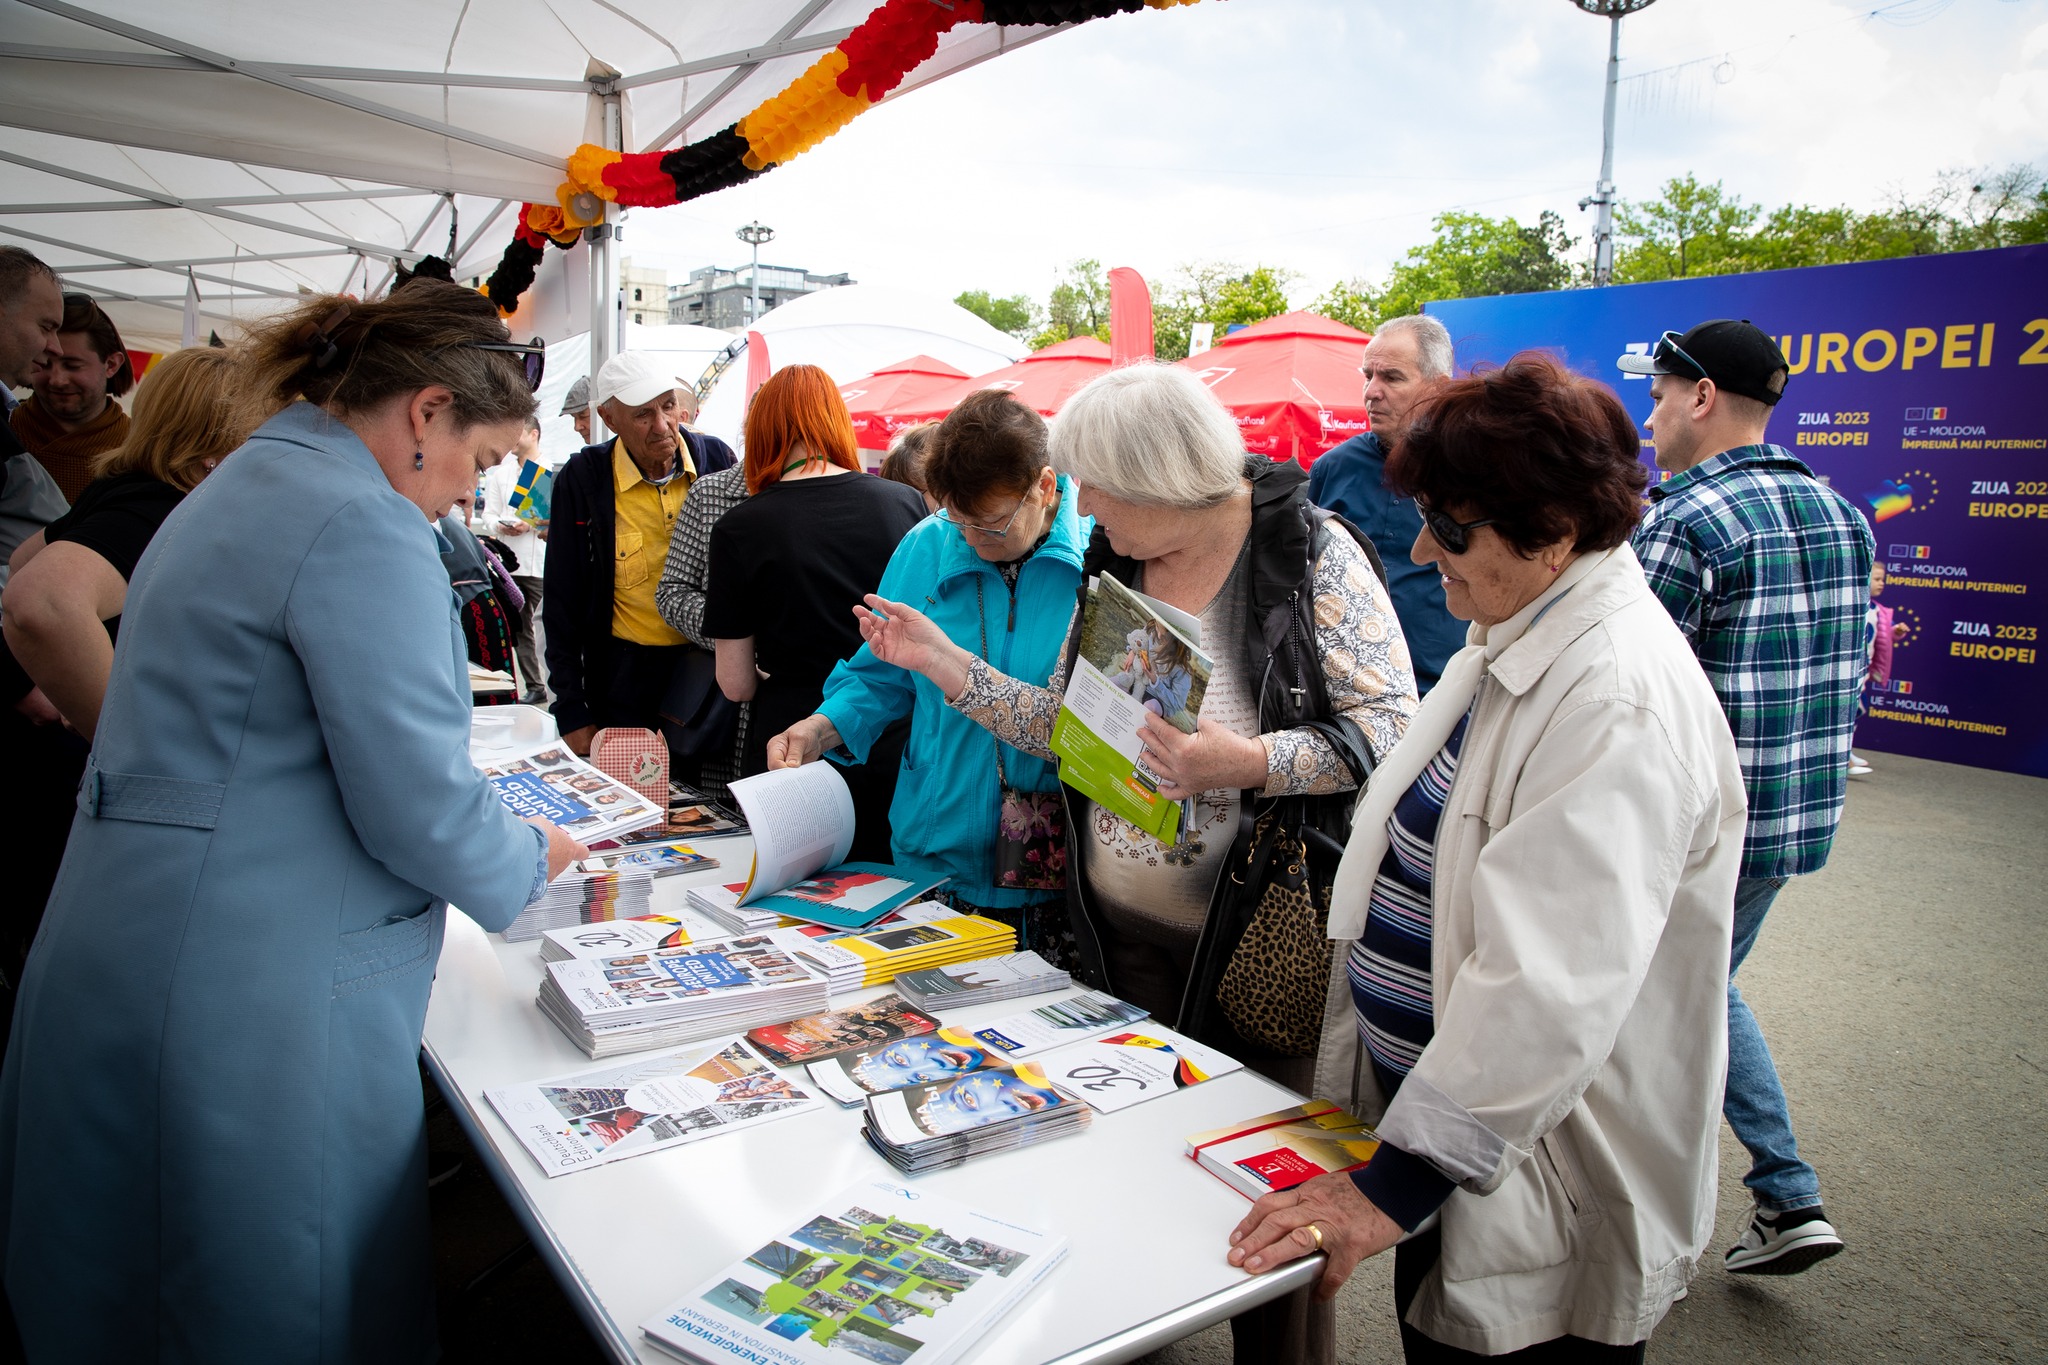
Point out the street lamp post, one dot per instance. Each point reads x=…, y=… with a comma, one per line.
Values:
x=1603, y=193
x=753, y=234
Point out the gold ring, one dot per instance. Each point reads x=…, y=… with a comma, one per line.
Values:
x=1316, y=1233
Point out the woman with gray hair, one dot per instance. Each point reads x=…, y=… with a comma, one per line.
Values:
x=1311, y=686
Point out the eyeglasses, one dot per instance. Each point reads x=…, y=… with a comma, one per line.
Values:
x=1449, y=532
x=533, y=356
x=946, y=515
x=1667, y=350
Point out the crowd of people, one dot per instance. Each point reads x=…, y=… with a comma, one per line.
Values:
x=1504, y=755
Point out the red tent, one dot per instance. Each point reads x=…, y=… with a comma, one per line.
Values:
x=872, y=397
x=1043, y=380
x=1291, y=381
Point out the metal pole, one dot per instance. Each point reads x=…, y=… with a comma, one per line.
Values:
x=1603, y=228
x=604, y=271
x=753, y=234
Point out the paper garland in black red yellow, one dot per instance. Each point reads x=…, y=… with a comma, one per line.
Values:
x=867, y=64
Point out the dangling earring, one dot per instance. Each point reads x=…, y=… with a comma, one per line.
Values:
x=419, y=461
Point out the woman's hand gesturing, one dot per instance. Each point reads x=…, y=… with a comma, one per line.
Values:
x=897, y=634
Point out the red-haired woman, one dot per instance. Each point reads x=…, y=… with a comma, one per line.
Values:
x=788, y=565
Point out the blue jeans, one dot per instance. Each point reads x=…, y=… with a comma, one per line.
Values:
x=1754, y=1102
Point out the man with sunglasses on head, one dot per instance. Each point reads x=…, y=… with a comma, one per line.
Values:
x=1408, y=360
x=1767, y=571
x=612, y=658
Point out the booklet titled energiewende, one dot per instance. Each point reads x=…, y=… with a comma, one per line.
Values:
x=879, y=1273
x=1138, y=656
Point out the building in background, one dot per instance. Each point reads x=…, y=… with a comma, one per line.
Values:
x=717, y=297
x=645, y=291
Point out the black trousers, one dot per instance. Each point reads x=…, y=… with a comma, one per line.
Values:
x=631, y=681
x=1416, y=1257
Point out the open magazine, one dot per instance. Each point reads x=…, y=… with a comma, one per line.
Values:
x=1138, y=656
x=802, y=822
x=550, y=782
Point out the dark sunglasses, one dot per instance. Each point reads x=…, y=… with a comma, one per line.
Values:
x=1668, y=350
x=533, y=356
x=1450, y=533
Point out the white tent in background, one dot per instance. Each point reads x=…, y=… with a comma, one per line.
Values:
x=855, y=330
x=261, y=149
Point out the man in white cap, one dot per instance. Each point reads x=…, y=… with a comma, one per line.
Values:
x=611, y=656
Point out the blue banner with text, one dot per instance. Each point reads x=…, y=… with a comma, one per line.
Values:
x=1919, y=391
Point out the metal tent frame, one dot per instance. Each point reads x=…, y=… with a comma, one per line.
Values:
x=160, y=150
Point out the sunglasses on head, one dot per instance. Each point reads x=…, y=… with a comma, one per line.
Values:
x=533, y=356
x=1667, y=350
x=1449, y=532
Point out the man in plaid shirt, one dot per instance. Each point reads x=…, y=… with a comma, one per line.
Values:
x=1767, y=571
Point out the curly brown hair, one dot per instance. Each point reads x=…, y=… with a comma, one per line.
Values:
x=1543, y=453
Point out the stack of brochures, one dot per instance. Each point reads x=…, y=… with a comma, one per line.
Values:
x=548, y=782
x=991, y=1109
x=879, y=1273
x=852, y=1077
x=981, y=981
x=875, y=957
x=615, y=938
x=575, y=1122
x=817, y=1036
x=802, y=822
x=617, y=884
x=666, y=996
x=1280, y=1150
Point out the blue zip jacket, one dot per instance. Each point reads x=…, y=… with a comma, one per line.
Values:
x=943, y=820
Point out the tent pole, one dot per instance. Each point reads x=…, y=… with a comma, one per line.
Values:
x=604, y=268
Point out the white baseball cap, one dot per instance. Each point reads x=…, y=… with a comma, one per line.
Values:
x=634, y=378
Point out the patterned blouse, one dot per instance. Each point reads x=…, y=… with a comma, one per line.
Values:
x=1365, y=664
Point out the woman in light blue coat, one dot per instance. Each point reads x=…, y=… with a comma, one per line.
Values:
x=211, y=1140
x=997, y=569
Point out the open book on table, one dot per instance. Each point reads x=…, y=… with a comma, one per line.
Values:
x=1138, y=655
x=802, y=822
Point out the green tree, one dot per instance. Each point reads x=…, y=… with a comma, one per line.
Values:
x=1690, y=229
x=1472, y=256
x=1218, y=292
x=1079, y=306
x=1349, y=302
x=1017, y=315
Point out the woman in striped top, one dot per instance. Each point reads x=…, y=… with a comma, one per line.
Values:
x=1539, y=886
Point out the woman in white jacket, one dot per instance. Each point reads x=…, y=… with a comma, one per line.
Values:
x=1537, y=897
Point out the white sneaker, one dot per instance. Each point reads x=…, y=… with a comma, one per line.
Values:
x=1783, y=1243
x=1857, y=766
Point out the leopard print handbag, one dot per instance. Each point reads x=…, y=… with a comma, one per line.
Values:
x=1274, y=987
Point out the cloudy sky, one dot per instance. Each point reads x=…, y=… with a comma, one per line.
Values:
x=1322, y=135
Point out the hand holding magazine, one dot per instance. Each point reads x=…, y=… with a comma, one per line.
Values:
x=1138, y=655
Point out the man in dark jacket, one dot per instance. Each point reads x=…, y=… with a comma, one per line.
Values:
x=611, y=656
x=1409, y=359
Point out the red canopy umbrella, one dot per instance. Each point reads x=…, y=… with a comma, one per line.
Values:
x=1291, y=381
x=872, y=397
x=1043, y=380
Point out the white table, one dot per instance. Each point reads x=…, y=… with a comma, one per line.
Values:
x=1147, y=1226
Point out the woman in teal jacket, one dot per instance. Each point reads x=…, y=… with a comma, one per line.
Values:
x=211, y=1139
x=997, y=568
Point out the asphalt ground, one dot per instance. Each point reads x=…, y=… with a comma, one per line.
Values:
x=1904, y=992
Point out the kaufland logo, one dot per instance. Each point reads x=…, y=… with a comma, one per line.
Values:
x=1910, y=552
x=1926, y=414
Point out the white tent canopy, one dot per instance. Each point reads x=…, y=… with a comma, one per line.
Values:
x=855, y=330
x=257, y=149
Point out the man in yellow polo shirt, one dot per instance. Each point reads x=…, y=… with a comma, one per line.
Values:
x=611, y=658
